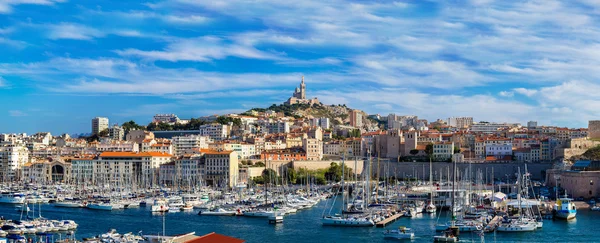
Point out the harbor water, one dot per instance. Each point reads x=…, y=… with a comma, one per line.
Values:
x=303, y=226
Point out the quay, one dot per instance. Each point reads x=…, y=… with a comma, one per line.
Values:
x=389, y=220
x=492, y=225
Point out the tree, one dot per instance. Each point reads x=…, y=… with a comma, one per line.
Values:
x=103, y=133
x=131, y=125
x=456, y=149
x=269, y=176
x=414, y=151
x=291, y=176
x=429, y=150
x=259, y=164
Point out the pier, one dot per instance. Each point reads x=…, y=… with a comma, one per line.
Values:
x=389, y=220
x=491, y=227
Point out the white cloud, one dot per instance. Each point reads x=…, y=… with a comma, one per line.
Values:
x=526, y=92
x=6, y=6
x=73, y=31
x=506, y=93
x=193, y=19
x=16, y=113
x=199, y=49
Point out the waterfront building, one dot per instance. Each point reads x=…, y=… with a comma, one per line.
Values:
x=221, y=168
x=99, y=124
x=12, y=158
x=443, y=151
x=351, y=146
x=313, y=148
x=121, y=168
x=46, y=171
x=331, y=148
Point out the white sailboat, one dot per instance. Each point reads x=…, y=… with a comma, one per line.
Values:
x=430, y=208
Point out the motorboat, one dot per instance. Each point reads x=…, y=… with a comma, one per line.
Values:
x=69, y=204
x=565, y=208
x=347, y=222
x=430, y=208
x=187, y=207
x=400, y=234
x=517, y=226
x=100, y=206
x=159, y=206
x=595, y=208
x=449, y=235
x=12, y=198
x=217, y=212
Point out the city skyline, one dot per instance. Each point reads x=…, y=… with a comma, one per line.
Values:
x=66, y=62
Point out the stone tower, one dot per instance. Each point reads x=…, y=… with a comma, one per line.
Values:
x=302, y=89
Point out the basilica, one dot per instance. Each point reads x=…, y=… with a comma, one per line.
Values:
x=299, y=96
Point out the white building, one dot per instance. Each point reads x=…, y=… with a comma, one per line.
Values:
x=499, y=150
x=324, y=123
x=120, y=168
x=313, y=148
x=12, y=159
x=269, y=126
x=99, y=124
x=460, y=122
x=331, y=148
x=215, y=131
x=184, y=144
x=116, y=146
x=443, y=151
x=221, y=168
x=166, y=118
x=116, y=133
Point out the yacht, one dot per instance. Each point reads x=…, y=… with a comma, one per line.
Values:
x=69, y=204
x=517, y=226
x=159, y=206
x=100, y=206
x=347, y=222
x=399, y=234
x=12, y=198
x=217, y=212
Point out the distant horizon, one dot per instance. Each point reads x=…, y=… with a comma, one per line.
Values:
x=65, y=62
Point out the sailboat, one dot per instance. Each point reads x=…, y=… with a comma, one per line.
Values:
x=520, y=224
x=430, y=208
x=337, y=220
x=452, y=232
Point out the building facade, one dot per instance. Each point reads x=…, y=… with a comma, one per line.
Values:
x=99, y=124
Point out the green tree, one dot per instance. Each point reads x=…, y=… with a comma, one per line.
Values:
x=131, y=125
x=429, y=150
x=103, y=133
x=269, y=176
x=259, y=164
x=291, y=176
x=456, y=149
x=414, y=151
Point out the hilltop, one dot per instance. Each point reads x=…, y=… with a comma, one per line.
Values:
x=337, y=114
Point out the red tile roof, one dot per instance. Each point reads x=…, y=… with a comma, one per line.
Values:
x=215, y=238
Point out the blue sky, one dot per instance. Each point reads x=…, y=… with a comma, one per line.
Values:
x=63, y=62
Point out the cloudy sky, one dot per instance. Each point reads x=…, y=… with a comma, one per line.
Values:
x=63, y=62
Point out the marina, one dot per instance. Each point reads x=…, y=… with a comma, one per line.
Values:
x=304, y=223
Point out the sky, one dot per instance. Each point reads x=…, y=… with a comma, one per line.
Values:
x=64, y=62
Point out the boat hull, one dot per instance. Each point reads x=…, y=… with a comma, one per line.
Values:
x=347, y=223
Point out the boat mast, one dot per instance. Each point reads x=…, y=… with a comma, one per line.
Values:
x=453, y=191
x=344, y=207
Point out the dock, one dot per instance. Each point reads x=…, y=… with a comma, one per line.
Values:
x=491, y=227
x=389, y=220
